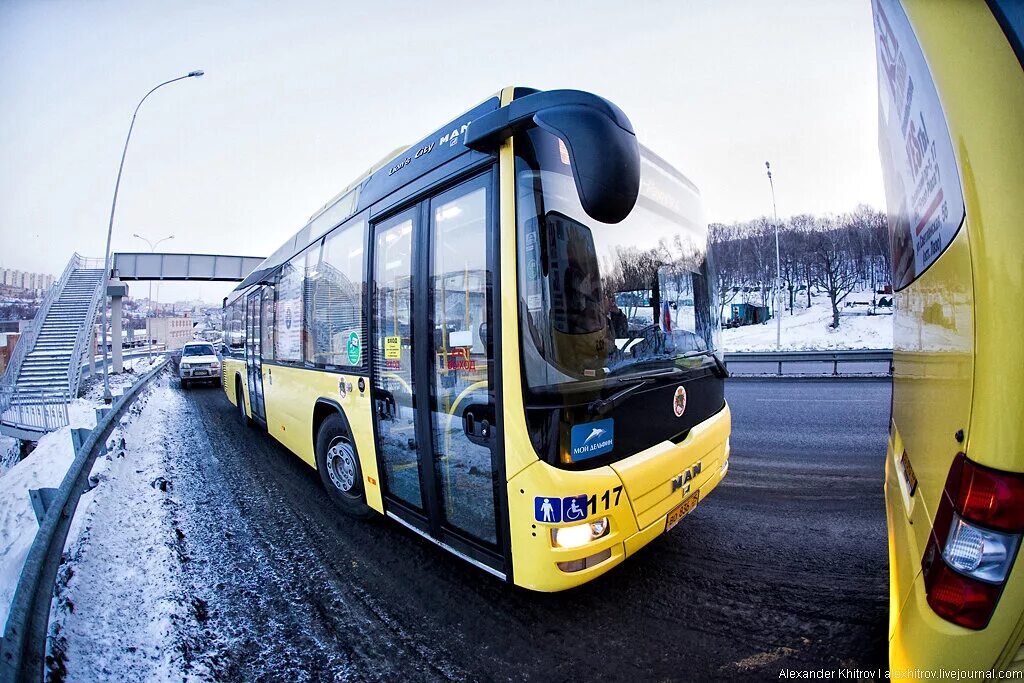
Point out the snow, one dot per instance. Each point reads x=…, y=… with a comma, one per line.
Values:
x=91, y=387
x=809, y=328
x=8, y=453
x=45, y=467
x=124, y=570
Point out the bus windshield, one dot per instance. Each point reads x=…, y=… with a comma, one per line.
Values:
x=600, y=301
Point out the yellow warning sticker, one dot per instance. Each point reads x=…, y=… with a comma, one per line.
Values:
x=392, y=348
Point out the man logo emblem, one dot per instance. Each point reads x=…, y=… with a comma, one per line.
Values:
x=686, y=477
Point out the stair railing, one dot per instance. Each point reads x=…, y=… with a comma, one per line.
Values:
x=27, y=340
x=91, y=263
x=82, y=339
x=33, y=408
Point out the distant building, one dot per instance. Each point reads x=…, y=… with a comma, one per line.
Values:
x=171, y=332
x=34, y=283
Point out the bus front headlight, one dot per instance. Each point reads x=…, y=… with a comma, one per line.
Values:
x=579, y=534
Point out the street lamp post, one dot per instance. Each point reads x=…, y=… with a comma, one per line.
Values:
x=778, y=265
x=152, y=249
x=107, y=396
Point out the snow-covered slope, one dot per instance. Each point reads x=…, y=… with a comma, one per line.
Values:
x=44, y=468
x=808, y=328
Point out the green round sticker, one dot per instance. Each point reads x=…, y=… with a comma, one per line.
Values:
x=353, y=348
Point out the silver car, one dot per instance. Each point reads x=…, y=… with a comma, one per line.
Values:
x=199, y=363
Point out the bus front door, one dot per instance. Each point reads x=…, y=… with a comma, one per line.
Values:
x=254, y=354
x=433, y=371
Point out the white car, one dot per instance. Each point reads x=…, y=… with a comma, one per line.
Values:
x=199, y=363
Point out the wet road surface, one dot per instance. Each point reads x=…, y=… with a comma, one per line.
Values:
x=783, y=566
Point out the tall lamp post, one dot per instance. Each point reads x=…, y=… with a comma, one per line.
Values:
x=778, y=266
x=152, y=249
x=107, y=396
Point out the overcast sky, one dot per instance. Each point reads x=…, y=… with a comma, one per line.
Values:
x=300, y=98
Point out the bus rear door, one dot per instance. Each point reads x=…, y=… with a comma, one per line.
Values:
x=254, y=353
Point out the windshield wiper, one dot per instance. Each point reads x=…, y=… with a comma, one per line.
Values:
x=603, y=406
x=596, y=385
x=720, y=369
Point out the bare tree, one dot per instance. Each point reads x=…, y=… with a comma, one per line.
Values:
x=635, y=270
x=812, y=256
x=761, y=244
x=727, y=251
x=801, y=227
x=836, y=270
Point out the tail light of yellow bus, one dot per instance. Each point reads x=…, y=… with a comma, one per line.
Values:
x=977, y=531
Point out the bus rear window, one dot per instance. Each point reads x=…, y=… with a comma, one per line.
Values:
x=922, y=184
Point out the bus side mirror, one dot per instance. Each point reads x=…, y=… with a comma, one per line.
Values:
x=605, y=159
x=603, y=150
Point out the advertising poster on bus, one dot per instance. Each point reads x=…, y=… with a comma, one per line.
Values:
x=288, y=340
x=922, y=186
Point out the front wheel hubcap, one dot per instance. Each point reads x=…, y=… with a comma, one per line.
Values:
x=341, y=466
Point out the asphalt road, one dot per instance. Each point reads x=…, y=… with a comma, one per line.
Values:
x=783, y=566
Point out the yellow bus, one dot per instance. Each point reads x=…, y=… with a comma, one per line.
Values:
x=951, y=141
x=503, y=337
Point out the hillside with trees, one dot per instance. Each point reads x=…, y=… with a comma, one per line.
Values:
x=830, y=255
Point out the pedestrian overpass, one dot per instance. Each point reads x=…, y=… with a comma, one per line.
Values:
x=45, y=369
x=129, y=266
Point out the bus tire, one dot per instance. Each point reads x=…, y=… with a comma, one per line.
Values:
x=338, y=465
x=240, y=401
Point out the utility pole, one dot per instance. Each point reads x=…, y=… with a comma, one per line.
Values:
x=778, y=265
x=108, y=398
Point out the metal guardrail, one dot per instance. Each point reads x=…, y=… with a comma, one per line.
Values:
x=23, y=649
x=778, y=359
x=127, y=355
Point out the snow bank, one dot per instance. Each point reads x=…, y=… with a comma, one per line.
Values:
x=8, y=453
x=92, y=387
x=807, y=329
x=121, y=599
x=44, y=468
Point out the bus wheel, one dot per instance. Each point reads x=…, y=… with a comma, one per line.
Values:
x=338, y=465
x=240, y=400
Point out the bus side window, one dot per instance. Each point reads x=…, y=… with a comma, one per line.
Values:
x=337, y=329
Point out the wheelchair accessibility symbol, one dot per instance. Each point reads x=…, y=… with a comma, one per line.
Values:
x=574, y=508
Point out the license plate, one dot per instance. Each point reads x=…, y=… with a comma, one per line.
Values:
x=681, y=510
x=200, y=372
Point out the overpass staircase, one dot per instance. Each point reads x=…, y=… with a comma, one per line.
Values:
x=46, y=367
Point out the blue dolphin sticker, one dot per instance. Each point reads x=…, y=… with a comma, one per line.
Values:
x=591, y=439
